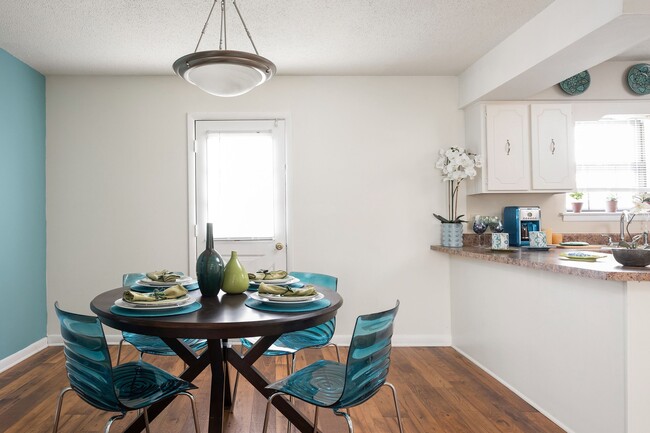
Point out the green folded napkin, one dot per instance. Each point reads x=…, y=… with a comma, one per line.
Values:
x=172, y=292
x=164, y=275
x=270, y=289
x=263, y=274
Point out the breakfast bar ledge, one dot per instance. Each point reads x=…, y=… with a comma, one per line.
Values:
x=571, y=338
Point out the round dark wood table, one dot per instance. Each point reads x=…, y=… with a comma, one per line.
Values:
x=220, y=318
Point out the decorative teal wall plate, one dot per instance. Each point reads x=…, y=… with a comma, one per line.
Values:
x=576, y=84
x=638, y=78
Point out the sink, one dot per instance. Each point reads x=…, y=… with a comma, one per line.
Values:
x=632, y=257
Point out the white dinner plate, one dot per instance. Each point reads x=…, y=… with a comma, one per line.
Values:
x=280, y=282
x=156, y=305
x=277, y=299
x=149, y=283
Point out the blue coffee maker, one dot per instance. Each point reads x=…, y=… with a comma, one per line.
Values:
x=519, y=221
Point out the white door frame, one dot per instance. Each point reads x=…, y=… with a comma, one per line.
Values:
x=191, y=172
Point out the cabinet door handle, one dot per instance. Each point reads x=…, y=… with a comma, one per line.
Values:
x=552, y=147
x=507, y=147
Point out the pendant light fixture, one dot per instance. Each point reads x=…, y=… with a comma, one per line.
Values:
x=224, y=72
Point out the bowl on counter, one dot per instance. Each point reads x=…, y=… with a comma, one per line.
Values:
x=632, y=257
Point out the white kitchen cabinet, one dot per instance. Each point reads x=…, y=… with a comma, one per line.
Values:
x=553, y=157
x=524, y=147
x=507, y=148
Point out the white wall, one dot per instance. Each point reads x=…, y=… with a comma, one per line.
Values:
x=362, y=186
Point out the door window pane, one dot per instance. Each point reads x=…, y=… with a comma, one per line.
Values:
x=240, y=185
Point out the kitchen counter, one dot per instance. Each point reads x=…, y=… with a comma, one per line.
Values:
x=602, y=269
x=571, y=338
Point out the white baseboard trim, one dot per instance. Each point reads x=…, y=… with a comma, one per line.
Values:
x=23, y=354
x=511, y=388
x=57, y=340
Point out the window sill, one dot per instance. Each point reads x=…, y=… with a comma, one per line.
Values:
x=591, y=216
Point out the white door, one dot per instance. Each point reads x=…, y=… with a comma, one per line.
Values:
x=240, y=187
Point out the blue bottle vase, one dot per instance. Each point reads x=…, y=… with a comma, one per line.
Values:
x=210, y=268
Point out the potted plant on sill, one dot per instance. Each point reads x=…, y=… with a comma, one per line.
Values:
x=611, y=202
x=457, y=164
x=577, y=201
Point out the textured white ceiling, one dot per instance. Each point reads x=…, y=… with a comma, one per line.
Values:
x=302, y=37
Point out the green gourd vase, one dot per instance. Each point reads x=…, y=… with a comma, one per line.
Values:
x=236, y=278
x=210, y=268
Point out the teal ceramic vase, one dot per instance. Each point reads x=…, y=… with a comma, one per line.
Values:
x=236, y=278
x=210, y=269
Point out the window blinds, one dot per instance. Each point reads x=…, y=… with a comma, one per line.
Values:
x=611, y=155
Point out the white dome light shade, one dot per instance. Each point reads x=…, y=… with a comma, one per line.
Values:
x=224, y=72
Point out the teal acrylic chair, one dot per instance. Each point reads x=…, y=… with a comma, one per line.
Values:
x=290, y=343
x=147, y=343
x=127, y=387
x=337, y=386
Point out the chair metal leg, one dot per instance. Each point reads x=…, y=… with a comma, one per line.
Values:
x=57, y=413
x=234, y=387
x=194, y=414
x=146, y=420
x=316, y=419
x=347, y=418
x=399, y=416
x=291, y=368
x=119, y=351
x=269, y=403
x=110, y=422
x=338, y=354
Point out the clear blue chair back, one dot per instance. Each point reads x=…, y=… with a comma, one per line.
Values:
x=316, y=336
x=130, y=386
x=130, y=279
x=322, y=280
x=147, y=343
x=337, y=386
x=368, y=357
x=88, y=361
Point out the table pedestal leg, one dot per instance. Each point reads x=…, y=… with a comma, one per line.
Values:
x=227, y=393
x=217, y=388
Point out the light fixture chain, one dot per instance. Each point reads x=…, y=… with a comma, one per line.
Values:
x=223, y=38
x=205, y=26
x=250, y=38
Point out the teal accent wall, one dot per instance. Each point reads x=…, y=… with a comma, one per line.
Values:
x=22, y=206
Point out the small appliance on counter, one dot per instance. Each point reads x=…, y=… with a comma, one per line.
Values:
x=519, y=221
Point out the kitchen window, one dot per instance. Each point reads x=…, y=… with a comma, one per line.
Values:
x=611, y=159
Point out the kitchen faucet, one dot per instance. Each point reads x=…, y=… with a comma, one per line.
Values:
x=622, y=221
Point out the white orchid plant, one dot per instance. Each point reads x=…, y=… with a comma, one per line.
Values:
x=641, y=202
x=457, y=164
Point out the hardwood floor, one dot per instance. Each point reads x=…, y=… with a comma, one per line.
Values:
x=439, y=390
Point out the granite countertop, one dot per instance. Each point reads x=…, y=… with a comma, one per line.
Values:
x=603, y=269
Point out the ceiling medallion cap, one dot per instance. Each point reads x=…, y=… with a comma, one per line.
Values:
x=224, y=72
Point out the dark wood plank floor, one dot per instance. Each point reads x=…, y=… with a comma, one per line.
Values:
x=440, y=392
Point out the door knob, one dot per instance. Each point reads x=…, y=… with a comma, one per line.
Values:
x=279, y=246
